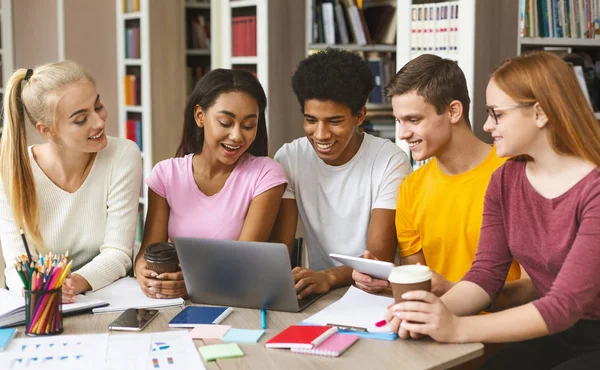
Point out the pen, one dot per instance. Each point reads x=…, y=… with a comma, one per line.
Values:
x=263, y=316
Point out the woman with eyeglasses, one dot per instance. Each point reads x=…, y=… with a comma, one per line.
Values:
x=542, y=207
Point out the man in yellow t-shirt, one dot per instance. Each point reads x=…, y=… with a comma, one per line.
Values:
x=440, y=206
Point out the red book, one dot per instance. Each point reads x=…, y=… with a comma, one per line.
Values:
x=301, y=336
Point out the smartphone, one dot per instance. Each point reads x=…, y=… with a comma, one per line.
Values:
x=377, y=269
x=133, y=319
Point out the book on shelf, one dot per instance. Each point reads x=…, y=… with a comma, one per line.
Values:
x=133, y=131
x=345, y=22
x=199, y=29
x=560, y=18
x=130, y=6
x=243, y=36
x=382, y=67
x=132, y=42
x=132, y=89
x=434, y=28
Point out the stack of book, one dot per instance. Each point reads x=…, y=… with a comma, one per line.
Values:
x=314, y=340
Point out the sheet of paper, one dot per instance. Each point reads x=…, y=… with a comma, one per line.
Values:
x=209, y=331
x=126, y=293
x=218, y=351
x=172, y=350
x=62, y=352
x=242, y=335
x=356, y=308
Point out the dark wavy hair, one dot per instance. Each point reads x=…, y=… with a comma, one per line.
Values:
x=205, y=94
x=334, y=74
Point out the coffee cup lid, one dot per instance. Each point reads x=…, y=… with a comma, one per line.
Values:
x=161, y=251
x=410, y=274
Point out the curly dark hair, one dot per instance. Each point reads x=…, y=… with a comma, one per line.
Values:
x=334, y=74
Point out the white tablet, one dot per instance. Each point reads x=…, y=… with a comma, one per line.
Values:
x=374, y=268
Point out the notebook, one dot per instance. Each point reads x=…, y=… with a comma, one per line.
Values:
x=6, y=335
x=12, y=307
x=196, y=315
x=356, y=312
x=209, y=331
x=219, y=351
x=242, y=335
x=126, y=293
x=333, y=346
x=301, y=336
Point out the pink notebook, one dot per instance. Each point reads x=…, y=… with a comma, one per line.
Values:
x=333, y=346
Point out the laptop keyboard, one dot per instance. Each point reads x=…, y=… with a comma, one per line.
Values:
x=302, y=303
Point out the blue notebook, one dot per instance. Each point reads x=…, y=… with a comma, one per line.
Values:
x=195, y=315
x=5, y=337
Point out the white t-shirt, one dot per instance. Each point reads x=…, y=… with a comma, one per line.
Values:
x=335, y=202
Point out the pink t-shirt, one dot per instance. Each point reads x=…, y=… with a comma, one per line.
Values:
x=219, y=216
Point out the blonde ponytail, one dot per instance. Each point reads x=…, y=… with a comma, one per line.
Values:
x=33, y=100
x=17, y=174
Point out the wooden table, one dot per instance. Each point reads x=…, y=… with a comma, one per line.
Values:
x=364, y=354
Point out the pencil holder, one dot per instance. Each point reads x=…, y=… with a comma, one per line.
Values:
x=43, y=312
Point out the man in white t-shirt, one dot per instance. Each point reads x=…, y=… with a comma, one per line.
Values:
x=343, y=184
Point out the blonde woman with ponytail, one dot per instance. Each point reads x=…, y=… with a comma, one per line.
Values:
x=78, y=191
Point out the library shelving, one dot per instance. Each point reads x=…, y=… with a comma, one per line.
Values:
x=478, y=35
x=570, y=28
x=369, y=30
x=265, y=38
x=151, y=87
x=200, y=50
x=6, y=46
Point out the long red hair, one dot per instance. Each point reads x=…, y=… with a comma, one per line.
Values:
x=545, y=78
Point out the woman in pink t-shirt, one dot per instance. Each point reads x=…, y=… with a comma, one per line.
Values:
x=221, y=184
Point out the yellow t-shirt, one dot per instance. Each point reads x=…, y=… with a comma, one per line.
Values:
x=442, y=215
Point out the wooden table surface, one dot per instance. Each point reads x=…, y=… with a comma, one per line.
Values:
x=364, y=354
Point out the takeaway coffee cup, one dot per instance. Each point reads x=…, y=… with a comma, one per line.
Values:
x=161, y=257
x=406, y=278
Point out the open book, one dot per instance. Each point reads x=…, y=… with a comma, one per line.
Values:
x=356, y=312
x=12, y=307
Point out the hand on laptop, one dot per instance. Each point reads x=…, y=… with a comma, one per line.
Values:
x=310, y=281
x=167, y=285
x=368, y=283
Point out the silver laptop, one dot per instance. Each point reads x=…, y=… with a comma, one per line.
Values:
x=239, y=273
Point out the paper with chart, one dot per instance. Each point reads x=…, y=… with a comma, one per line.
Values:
x=172, y=350
x=356, y=308
x=61, y=352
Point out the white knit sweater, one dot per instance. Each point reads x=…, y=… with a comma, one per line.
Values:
x=96, y=224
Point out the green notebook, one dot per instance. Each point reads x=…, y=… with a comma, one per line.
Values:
x=219, y=351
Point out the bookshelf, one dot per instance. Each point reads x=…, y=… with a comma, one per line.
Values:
x=151, y=88
x=572, y=30
x=483, y=37
x=200, y=51
x=265, y=38
x=335, y=24
x=6, y=46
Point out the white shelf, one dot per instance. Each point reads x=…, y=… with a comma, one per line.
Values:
x=132, y=15
x=355, y=47
x=242, y=3
x=133, y=62
x=197, y=5
x=244, y=60
x=562, y=41
x=198, y=52
x=134, y=108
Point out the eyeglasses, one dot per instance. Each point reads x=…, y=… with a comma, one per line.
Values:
x=492, y=111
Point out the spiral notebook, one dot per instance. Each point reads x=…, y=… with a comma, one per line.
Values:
x=333, y=346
